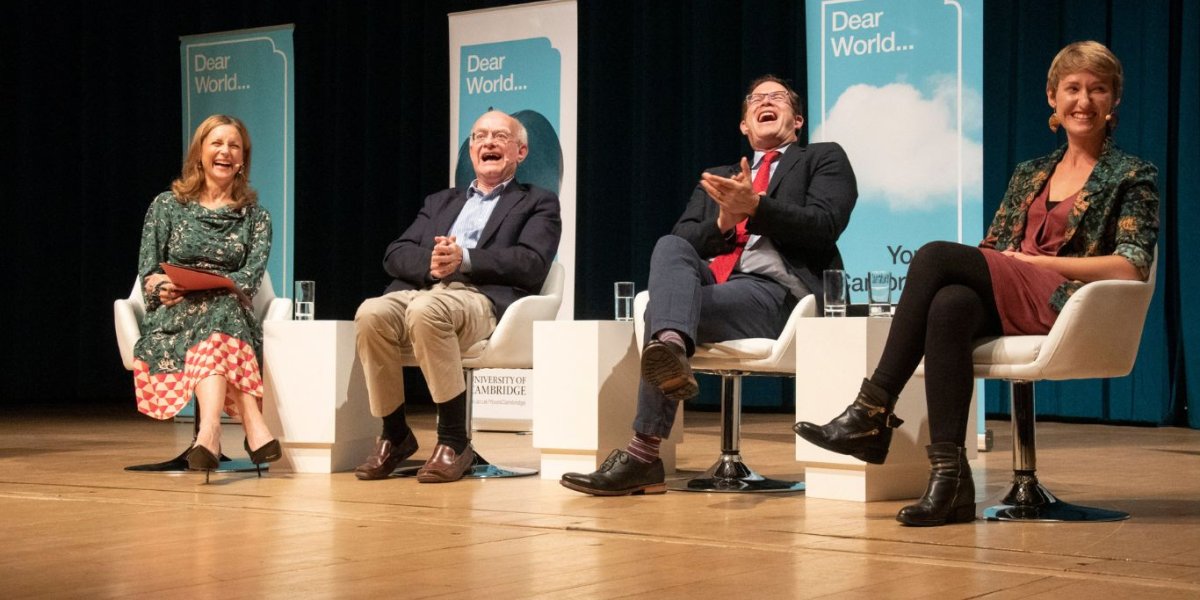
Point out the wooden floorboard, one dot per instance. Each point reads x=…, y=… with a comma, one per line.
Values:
x=74, y=524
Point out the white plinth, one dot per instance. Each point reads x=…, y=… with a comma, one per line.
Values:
x=316, y=398
x=832, y=357
x=585, y=380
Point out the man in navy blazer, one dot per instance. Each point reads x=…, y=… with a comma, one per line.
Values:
x=469, y=254
x=753, y=240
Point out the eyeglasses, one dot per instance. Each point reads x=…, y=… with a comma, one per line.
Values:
x=778, y=96
x=480, y=136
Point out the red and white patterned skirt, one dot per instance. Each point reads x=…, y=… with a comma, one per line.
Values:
x=163, y=395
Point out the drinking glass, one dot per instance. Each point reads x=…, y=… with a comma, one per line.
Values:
x=306, y=295
x=623, y=300
x=879, y=294
x=837, y=293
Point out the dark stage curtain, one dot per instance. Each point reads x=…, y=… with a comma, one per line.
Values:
x=91, y=112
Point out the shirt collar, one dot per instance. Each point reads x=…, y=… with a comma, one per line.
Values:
x=758, y=154
x=473, y=189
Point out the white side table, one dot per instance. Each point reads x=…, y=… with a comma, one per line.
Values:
x=585, y=381
x=315, y=396
x=833, y=355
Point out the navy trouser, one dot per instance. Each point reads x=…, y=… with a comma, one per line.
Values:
x=684, y=296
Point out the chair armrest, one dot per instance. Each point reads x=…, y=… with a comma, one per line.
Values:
x=279, y=309
x=640, y=302
x=127, y=320
x=1098, y=332
x=805, y=308
x=511, y=344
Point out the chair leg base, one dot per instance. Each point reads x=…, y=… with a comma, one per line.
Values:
x=1055, y=512
x=480, y=469
x=730, y=475
x=239, y=465
x=179, y=465
x=1028, y=500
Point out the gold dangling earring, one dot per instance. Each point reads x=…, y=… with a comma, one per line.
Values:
x=1054, y=122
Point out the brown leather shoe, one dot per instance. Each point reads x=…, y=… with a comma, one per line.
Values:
x=666, y=367
x=386, y=458
x=446, y=465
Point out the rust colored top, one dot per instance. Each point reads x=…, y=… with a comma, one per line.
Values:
x=1023, y=290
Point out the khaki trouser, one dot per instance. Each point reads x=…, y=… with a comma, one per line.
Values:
x=437, y=324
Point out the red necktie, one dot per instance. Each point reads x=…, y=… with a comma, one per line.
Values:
x=722, y=266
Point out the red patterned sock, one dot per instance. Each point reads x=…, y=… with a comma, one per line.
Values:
x=644, y=447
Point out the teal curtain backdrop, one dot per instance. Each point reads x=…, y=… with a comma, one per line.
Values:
x=1157, y=44
x=91, y=113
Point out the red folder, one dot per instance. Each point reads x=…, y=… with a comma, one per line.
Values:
x=191, y=278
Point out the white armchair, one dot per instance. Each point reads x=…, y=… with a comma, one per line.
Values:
x=731, y=360
x=128, y=314
x=511, y=345
x=127, y=318
x=1096, y=335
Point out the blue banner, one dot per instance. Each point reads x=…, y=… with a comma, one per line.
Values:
x=522, y=78
x=522, y=60
x=250, y=74
x=899, y=85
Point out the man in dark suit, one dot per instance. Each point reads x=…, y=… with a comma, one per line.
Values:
x=753, y=240
x=469, y=255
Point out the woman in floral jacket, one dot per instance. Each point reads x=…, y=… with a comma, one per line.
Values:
x=1085, y=213
x=206, y=342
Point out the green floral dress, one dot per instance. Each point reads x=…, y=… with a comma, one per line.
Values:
x=210, y=332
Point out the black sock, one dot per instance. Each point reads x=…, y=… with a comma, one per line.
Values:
x=452, y=423
x=395, y=426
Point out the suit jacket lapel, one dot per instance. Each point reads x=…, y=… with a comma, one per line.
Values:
x=1094, y=185
x=444, y=220
x=508, y=199
x=787, y=162
x=1038, y=178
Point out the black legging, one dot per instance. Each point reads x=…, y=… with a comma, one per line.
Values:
x=947, y=303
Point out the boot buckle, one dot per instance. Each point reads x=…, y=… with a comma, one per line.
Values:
x=871, y=410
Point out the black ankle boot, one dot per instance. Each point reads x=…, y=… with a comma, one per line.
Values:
x=950, y=497
x=863, y=430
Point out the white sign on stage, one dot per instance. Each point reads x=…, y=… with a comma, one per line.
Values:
x=503, y=400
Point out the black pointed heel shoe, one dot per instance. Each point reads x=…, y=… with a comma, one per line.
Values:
x=266, y=453
x=200, y=458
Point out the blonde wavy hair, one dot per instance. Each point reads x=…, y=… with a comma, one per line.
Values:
x=190, y=183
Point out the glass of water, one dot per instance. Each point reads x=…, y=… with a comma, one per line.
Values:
x=306, y=296
x=837, y=292
x=623, y=300
x=879, y=294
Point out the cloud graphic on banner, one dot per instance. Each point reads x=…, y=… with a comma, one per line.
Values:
x=904, y=147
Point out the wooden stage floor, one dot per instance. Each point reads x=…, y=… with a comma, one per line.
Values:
x=73, y=524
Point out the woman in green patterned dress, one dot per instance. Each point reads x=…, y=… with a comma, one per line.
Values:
x=206, y=342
